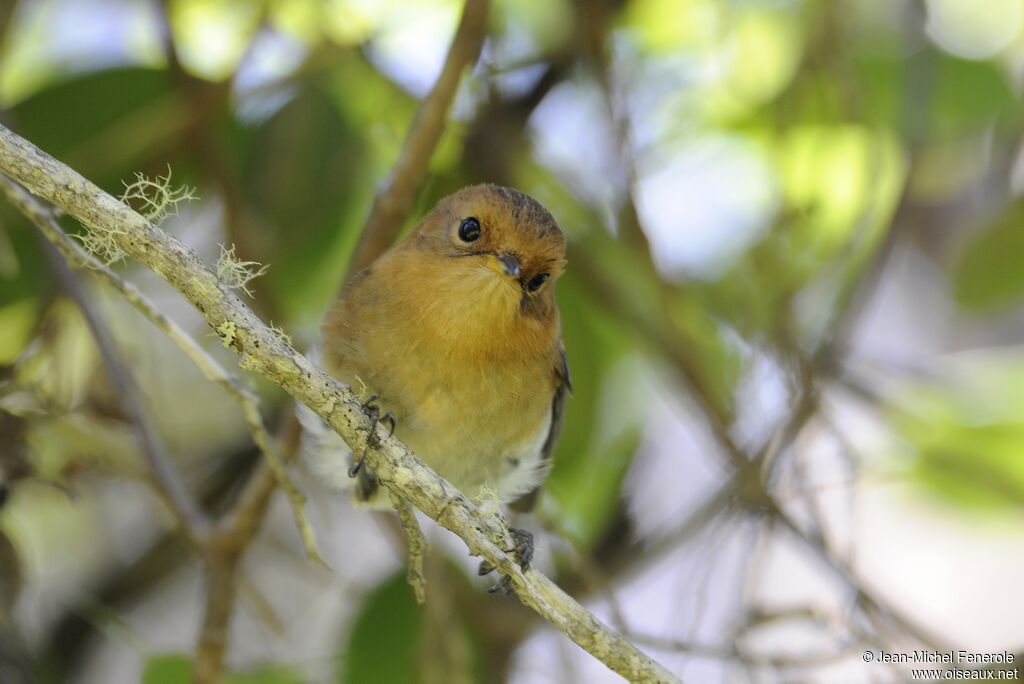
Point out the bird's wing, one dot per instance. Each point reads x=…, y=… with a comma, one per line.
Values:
x=563, y=386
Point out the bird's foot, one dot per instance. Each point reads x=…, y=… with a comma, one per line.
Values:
x=522, y=550
x=372, y=411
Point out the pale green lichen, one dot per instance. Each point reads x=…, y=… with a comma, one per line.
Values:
x=281, y=334
x=488, y=501
x=235, y=273
x=102, y=244
x=364, y=390
x=227, y=331
x=155, y=198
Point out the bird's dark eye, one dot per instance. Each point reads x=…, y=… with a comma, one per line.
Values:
x=469, y=230
x=536, y=281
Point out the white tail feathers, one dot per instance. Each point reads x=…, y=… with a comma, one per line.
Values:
x=324, y=453
x=327, y=457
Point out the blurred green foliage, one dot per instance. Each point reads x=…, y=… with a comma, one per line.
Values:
x=175, y=669
x=988, y=275
x=395, y=641
x=968, y=431
x=384, y=636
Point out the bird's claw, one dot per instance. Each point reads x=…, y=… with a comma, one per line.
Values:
x=522, y=550
x=389, y=418
x=372, y=411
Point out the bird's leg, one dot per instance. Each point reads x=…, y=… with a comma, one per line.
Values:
x=373, y=412
x=522, y=549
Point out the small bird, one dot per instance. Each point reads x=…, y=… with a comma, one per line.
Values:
x=456, y=331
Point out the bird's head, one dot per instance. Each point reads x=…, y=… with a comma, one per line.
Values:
x=497, y=237
x=496, y=254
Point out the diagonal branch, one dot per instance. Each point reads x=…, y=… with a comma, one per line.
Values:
x=267, y=353
x=392, y=204
x=848, y=577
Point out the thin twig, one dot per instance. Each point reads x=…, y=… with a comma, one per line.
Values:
x=161, y=464
x=227, y=545
x=391, y=206
x=655, y=331
x=849, y=579
x=417, y=546
x=221, y=592
x=263, y=351
x=242, y=523
x=596, y=28
x=735, y=653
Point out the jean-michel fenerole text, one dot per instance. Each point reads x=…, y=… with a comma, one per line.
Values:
x=952, y=657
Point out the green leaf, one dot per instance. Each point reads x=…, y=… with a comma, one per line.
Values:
x=302, y=178
x=961, y=97
x=840, y=183
x=173, y=668
x=393, y=640
x=17, y=320
x=969, y=96
x=11, y=574
x=587, y=499
x=270, y=674
x=106, y=124
x=167, y=669
x=27, y=274
x=384, y=638
x=968, y=430
x=989, y=274
x=594, y=451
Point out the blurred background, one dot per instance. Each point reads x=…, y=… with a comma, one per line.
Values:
x=793, y=311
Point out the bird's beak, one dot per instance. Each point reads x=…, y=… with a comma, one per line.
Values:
x=509, y=264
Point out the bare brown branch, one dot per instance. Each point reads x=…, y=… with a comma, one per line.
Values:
x=220, y=603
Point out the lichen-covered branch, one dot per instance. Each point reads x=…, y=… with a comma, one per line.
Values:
x=265, y=352
x=392, y=204
x=417, y=546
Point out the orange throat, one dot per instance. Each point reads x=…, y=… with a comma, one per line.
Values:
x=479, y=314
